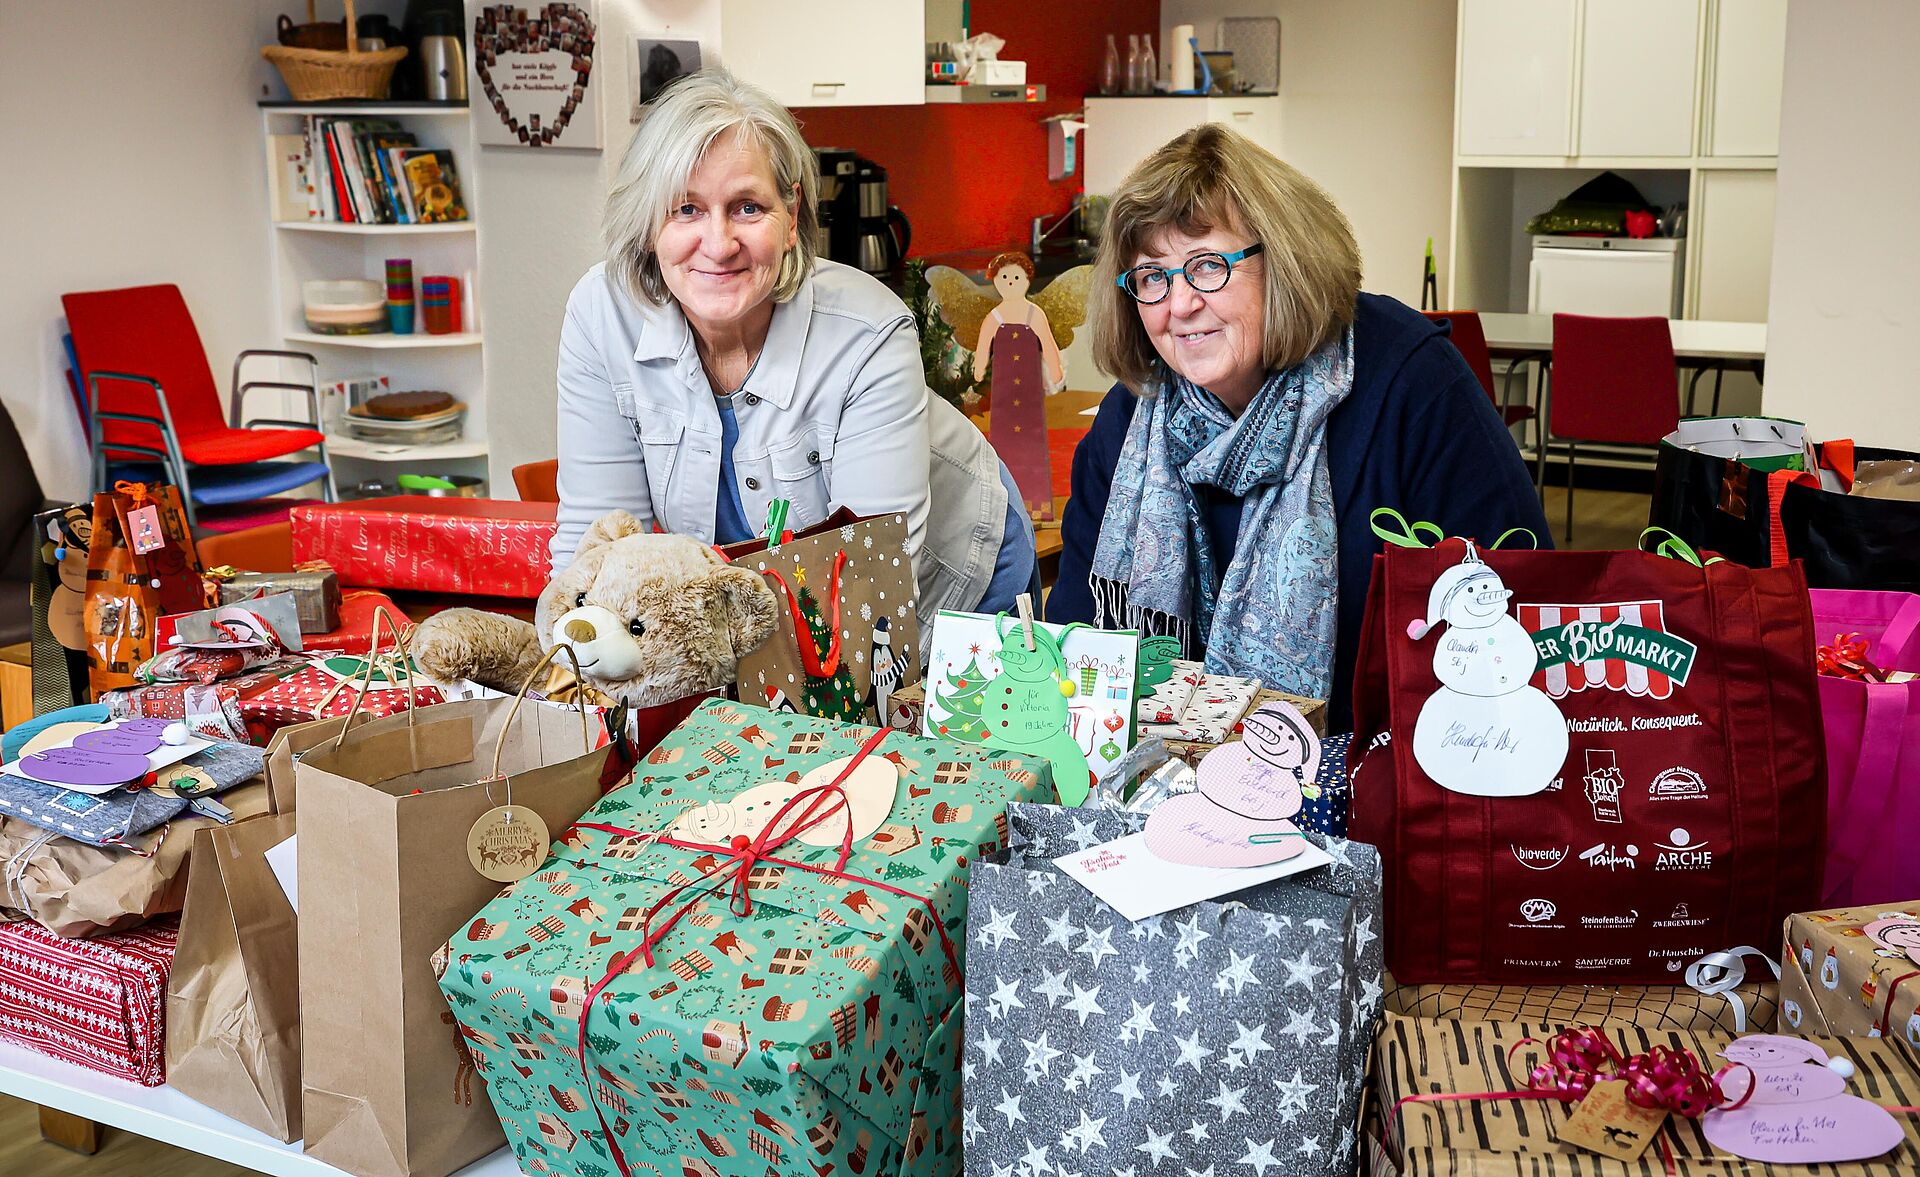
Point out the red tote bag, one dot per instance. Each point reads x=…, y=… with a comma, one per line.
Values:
x=1688, y=816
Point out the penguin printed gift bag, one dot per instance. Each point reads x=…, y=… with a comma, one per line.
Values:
x=849, y=631
x=1584, y=767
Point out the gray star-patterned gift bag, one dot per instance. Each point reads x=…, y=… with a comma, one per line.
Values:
x=1228, y=1037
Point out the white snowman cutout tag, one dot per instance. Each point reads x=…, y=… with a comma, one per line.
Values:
x=1487, y=732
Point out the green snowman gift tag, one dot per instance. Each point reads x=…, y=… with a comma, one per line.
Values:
x=1024, y=707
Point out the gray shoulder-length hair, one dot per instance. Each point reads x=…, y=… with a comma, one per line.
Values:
x=676, y=132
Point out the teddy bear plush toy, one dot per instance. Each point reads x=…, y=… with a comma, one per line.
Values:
x=652, y=619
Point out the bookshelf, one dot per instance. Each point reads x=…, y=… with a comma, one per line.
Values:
x=302, y=250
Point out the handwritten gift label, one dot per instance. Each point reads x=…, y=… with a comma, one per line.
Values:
x=1487, y=732
x=1607, y=1122
x=1138, y=883
x=1799, y=1112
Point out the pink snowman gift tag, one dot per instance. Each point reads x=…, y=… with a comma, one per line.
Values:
x=1249, y=791
x=1799, y=1111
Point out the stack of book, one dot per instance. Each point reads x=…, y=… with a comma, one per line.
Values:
x=366, y=171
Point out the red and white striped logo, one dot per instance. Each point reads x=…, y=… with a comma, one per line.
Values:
x=1623, y=646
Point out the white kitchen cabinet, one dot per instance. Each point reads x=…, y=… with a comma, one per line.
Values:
x=1749, y=49
x=1516, y=77
x=1638, y=68
x=828, y=52
x=1734, y=230
x=1123, y=131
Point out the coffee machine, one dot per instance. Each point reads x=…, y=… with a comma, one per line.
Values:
x=858, y=225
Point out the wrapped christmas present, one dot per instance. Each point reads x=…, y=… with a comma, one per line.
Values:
x=1190, y=743
x=251, y=707
x=1222, y=1034
x=1853, y=970
x=748, y=960
x=481, y=547
x=75, y=890
x=1721, y=994
x=99, y=1003
x=357, y=607
x=314, y=585
x=1507, y=1099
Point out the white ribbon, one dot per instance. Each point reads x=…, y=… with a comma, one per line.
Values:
x=1724, y=973
x=16, y=873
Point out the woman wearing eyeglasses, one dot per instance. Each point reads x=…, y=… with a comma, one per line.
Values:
x=1265, y=407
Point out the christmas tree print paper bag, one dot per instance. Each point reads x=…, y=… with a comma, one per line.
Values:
x=848, y=630
x=1097, y=666
x=792, y=1015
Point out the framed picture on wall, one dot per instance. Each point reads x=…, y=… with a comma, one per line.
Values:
x=657, y=62
x=535, y=80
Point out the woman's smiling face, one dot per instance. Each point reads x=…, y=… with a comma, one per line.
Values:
x=721, y=245
x=1215, y=340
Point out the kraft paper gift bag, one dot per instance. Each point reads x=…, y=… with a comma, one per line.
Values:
x=233, y=1008
x=389, y=1089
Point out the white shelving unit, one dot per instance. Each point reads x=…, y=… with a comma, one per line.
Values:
x=161, y=1113
x=454, y=363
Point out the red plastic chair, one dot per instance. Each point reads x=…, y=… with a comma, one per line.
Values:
x=151, y=398
x=1469, y=338
x=538, y=482
x=1613, y=381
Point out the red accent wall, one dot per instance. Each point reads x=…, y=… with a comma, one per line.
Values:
x=974, y=177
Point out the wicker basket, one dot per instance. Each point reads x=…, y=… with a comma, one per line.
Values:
x=318, y=75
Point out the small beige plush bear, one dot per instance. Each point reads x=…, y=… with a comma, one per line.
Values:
x=651, y=617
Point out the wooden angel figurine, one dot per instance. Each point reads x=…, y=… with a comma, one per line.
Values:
x=1022, y=338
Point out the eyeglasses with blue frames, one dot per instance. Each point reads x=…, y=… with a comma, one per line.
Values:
x=1205, y=272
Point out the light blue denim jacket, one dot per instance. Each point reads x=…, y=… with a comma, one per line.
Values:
x=835, y=413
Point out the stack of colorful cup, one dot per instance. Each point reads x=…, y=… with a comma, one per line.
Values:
x=400, y=295
x=440, y=305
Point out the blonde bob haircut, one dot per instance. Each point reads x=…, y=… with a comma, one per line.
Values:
x=1212, y=177
x=676, y=132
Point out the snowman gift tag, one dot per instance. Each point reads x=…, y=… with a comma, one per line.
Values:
x=1248, y=793
x=1487, y=732
x=867, y=793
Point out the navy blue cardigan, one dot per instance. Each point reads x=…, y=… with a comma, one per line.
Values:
x=1417, y=434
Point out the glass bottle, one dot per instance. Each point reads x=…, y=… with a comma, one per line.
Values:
x=1110, y=69
x=1149, y=66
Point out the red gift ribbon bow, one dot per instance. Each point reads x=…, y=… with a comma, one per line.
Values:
x=1663, y=1078
x=1847, y=658
x=735, y=868
x=811, y=660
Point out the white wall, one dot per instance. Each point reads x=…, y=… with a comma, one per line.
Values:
x=1844, y=312
x=134, y=156
x=1366, y=102
x=541, y=230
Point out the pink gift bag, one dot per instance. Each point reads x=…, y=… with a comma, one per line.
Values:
x=1873, y=744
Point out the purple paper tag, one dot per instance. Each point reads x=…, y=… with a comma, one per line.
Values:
x=84, y=767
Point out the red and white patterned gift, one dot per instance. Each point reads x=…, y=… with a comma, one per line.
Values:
x=484, y=547
x=99, y=1003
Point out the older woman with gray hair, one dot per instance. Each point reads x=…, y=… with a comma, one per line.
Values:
x=713, y=364
x=1265, y=407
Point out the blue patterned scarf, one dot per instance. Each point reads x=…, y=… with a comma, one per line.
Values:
x=1274, y=612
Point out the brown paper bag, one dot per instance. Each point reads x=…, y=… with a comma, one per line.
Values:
x=122, y=604
x=233, y=1017
x=878, y=622
x=385, y=810
x=76, y=890
x=289, y=744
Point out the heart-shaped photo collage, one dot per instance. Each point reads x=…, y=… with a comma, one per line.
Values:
x=534, y=50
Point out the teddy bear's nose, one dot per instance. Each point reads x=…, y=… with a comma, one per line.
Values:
x=581, y=630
